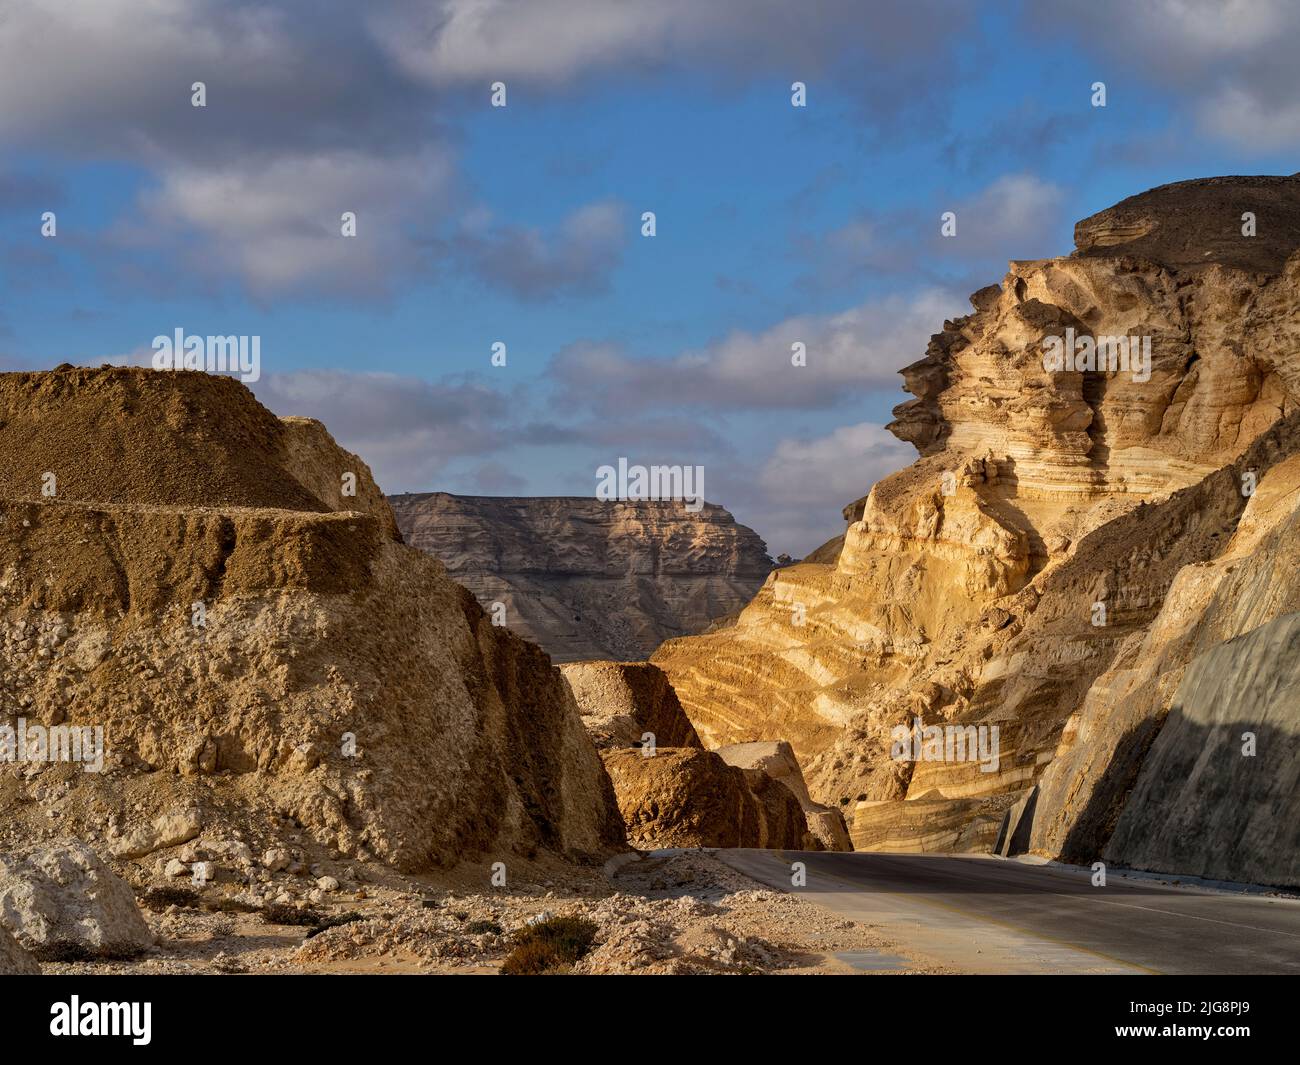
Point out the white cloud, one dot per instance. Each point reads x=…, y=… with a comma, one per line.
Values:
x=830, y=471
x=275, y=223
x=847, y=353
x=578, y=256
x=458, y=42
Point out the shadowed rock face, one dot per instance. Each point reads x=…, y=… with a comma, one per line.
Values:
x=965, y=588
x=1219, y=792
x=587, y=579
x=336, y=678
x=685, y=797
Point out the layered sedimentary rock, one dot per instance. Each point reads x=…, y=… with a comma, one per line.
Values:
x=623, y=702
x=686, y=797
x=588, y=579
x=776, y=759
x=1216, y=789
x=1068, y=541
x=195, y=576
x=671, y=792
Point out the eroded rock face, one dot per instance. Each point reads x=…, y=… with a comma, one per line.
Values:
x=684, y=797
x=587, y=579
x=1219, y=791
x=966, y=590
x=252, y=650
x=622, y=702
x=14, y=961
x=776, y=759
x=62, y=902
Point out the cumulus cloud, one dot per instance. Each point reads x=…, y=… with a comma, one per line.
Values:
x=454, y=42
x=275, y=223
x=1016, y=216
x=406, y=428
x=847, y=353
x=833, y=469
x=578, y=256
x=805, y=483
x=1229, y=63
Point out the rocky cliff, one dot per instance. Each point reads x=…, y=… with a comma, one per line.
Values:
x=673, y=793
x=587, y=579
x=195, y=577
x=1073, y=535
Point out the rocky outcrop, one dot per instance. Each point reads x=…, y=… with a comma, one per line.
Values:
x=588, y=579
x=1217, y=794
x=61, y=902
x=776, y=759
x=14, y=961
x=671, y=792
x=684, y=797
x=224, y=594
x=622, y=702
x=1069, y=540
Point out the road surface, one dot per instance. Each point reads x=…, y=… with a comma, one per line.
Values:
x=970, y=913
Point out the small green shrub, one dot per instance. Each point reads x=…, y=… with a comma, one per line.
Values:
x=480, y=928
x=278, y=913
x=158, y=899
x=549, y=947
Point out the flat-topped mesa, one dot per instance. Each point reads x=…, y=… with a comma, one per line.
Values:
x=225, y=595
x=965, y=588
x=588, y=579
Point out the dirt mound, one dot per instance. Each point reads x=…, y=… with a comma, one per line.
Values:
x=256, y=645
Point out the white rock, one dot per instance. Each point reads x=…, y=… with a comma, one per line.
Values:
x=62, y=901
x=276, y=859
x=327, y=883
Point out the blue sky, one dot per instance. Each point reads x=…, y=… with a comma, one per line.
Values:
x=522, y=224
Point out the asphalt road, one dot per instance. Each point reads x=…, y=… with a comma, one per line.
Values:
x=981, y=914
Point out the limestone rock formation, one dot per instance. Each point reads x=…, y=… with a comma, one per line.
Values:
x=685, y=797
x=14, y=961
x=1216, y=793
x=182, y=569
x=587, y=579
x=1069, y=540
x=621, y=702
x=776, y=759
x=673, y=793
x=61, y=902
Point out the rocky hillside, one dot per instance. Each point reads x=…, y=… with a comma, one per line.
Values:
x=587, y=579
x=265, y=658
x=1070, y=542
x=672, y=792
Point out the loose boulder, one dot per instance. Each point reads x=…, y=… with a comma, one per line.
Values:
x=684, y=797
x=61, y=902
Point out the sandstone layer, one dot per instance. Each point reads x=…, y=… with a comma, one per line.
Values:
x=1068, y=541
x=196, y=577
x=776, y=758
x=587, y=579
x=624, y=702
x=673, y=793
x=686, y=797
